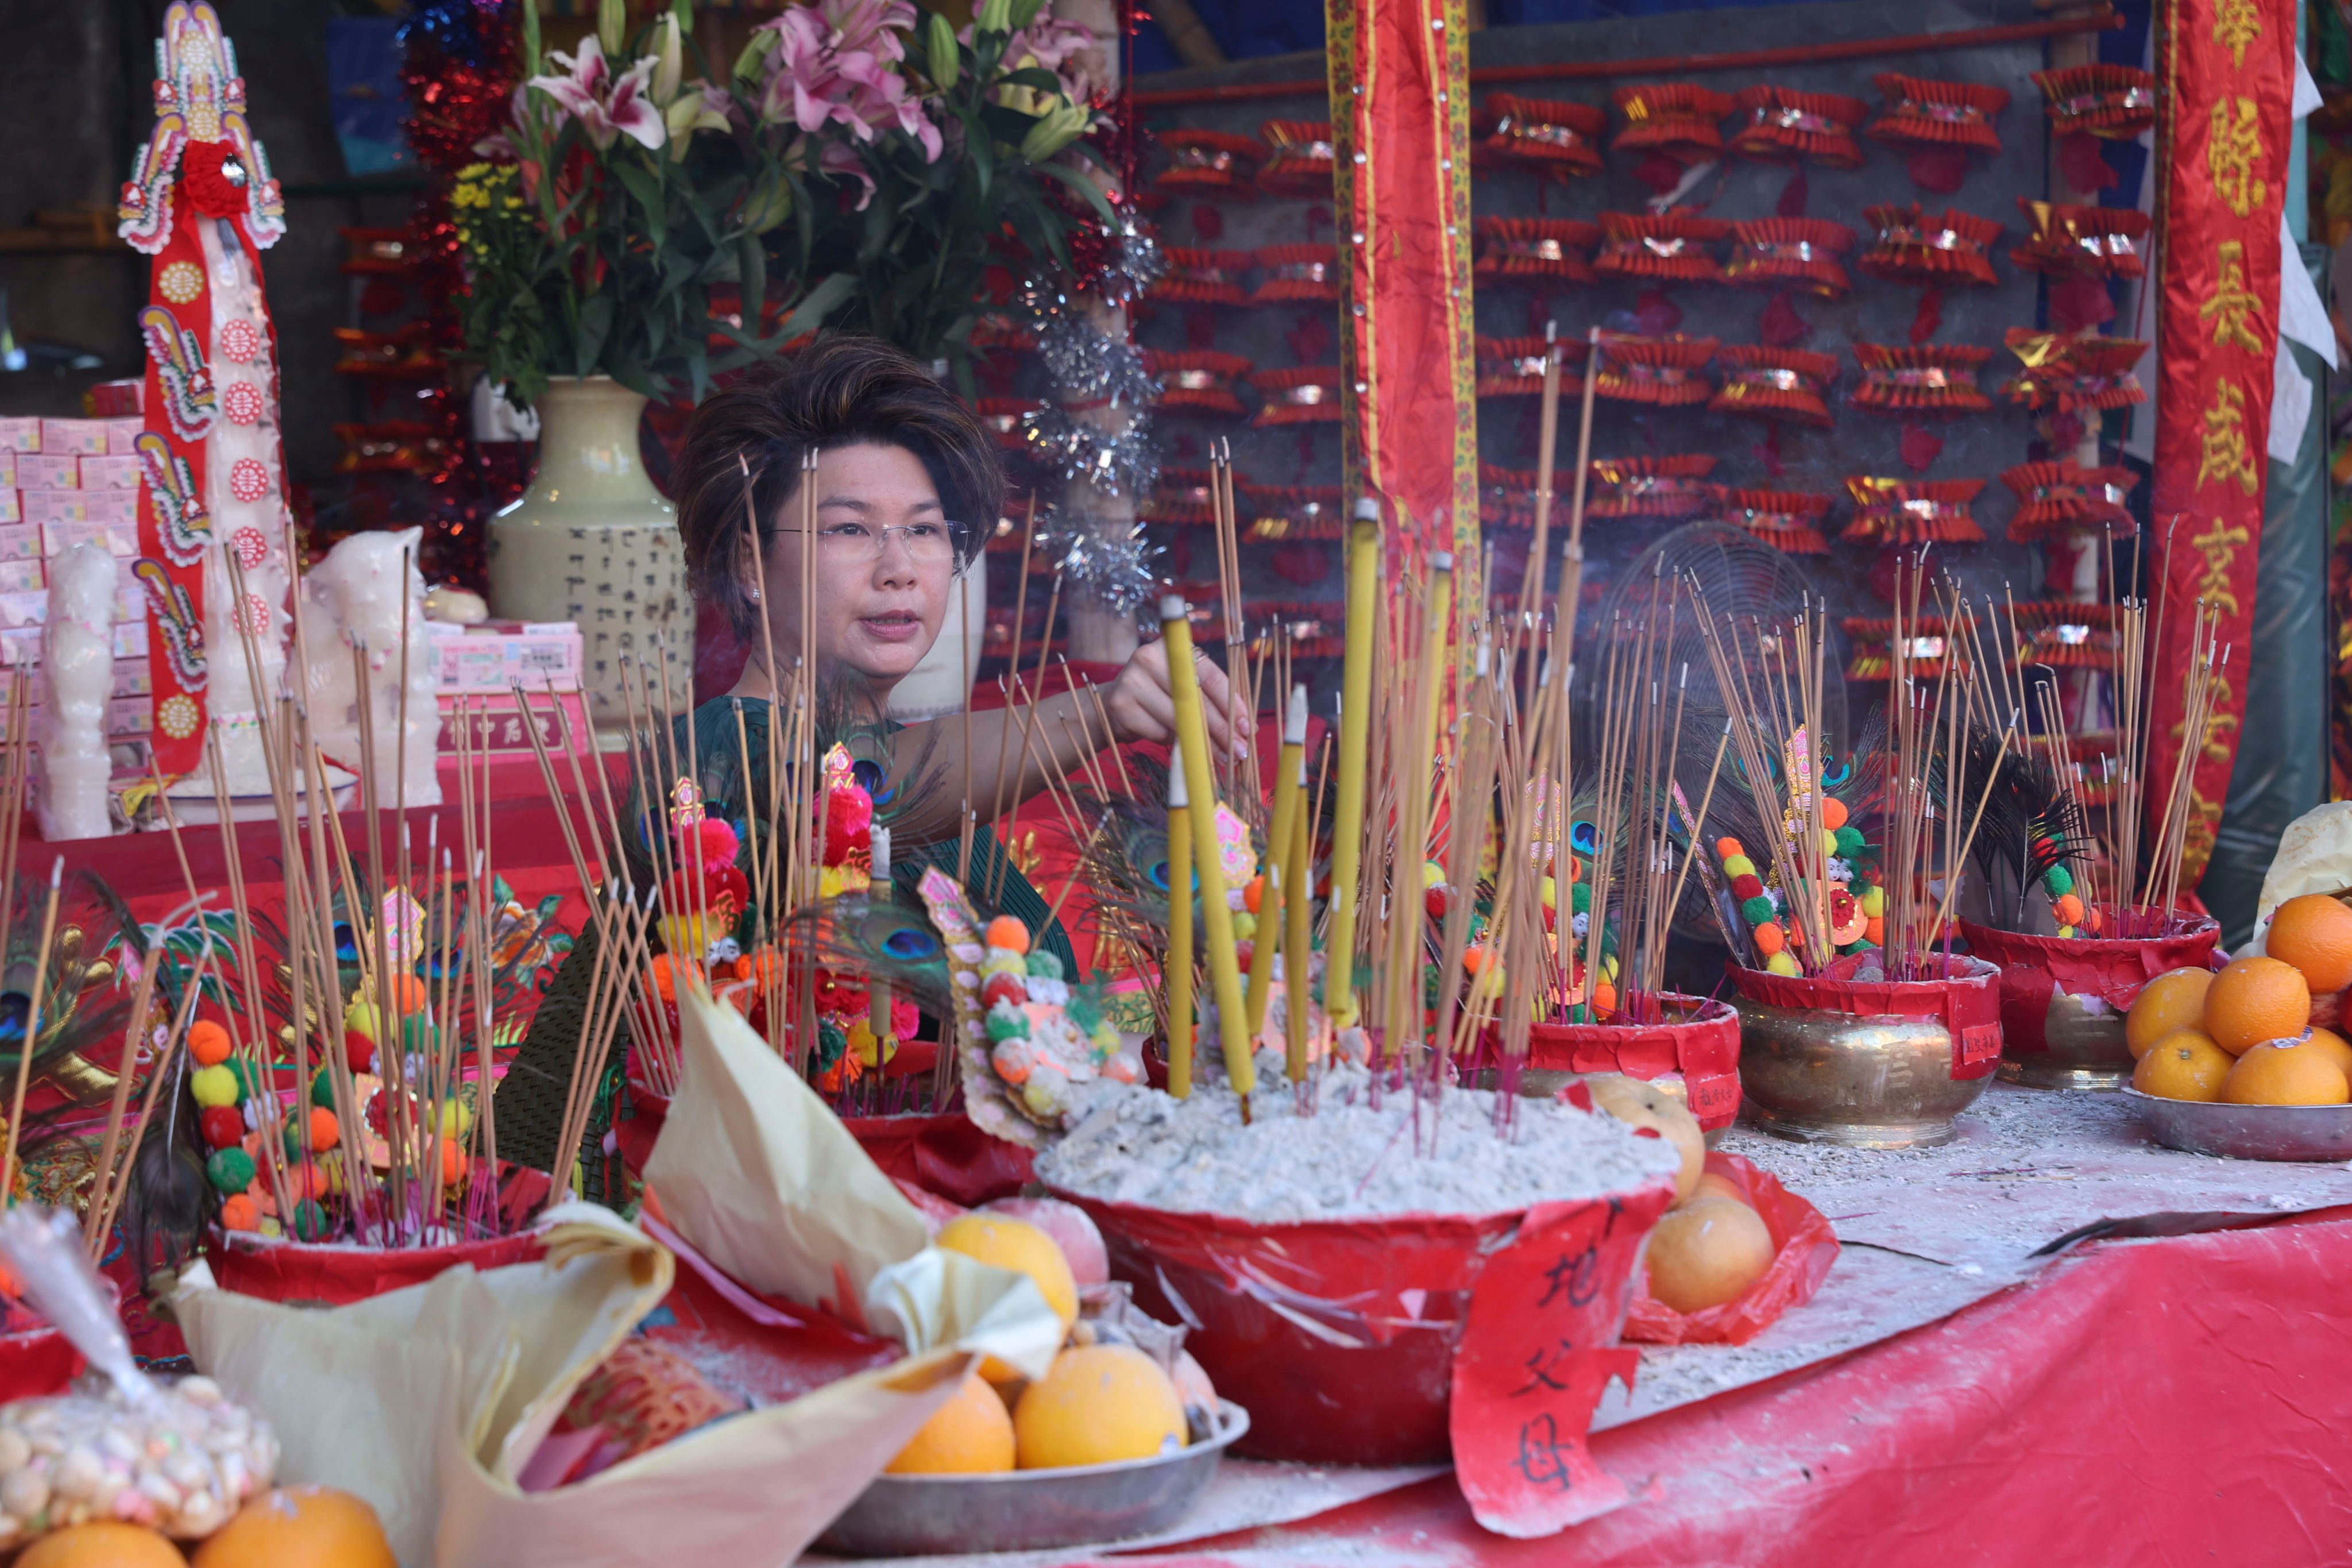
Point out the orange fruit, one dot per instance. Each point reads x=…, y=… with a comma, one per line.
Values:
x=1714, y=1187
x=2313, y=932
x=1707, y=1252
x=104, y=1544
x=2333, y=1046
x=970, y=1434
x=2184, y=1065
x=2174, y=1000
x=2281, y=1073
x=2253, y=1000
x=1639, y=1103
x=298, y=1527
x=1096, y=1404
x=1005, y=1243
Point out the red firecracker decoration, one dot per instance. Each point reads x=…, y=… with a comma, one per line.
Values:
x=1670, y=248
x=1774, y=383
x=1929, y=249
x=1787, y=520
x=1780, y=124
x=1294, y=512
x=2064, y=497
x=1563, y=139
x=1297, y=274
x=2116, y=102
x=2064, y=634
x=1003, y=416
x=1921, y=378
x=1931, y=646
x=1182, y=496
x=1663, y=372
x=1306, y=396
x=2074, y=374
x=1214, y=163
x=1199, y=380
x=1672, y=486
x=1920, y=112
x=1790, y=253
x=1199, y=276
x=1913, y=511
x=1677, y=120
x=1299, y=158
x=2098, y=241
x=1555, y=249
x=1514, y=367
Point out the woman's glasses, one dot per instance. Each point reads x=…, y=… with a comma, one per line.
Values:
x=859, y=543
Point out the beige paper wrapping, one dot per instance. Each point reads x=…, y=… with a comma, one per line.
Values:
x=2315, y=856
x=428, y=1401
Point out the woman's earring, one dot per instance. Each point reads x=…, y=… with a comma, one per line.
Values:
x=755, y=596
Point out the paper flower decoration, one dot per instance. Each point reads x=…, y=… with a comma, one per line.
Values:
x=2064, y=497
x=1920, y=112
x=1306, y=396
x=1931, y=249
x=2101, y=241
x=2073, y=373
x=1197, y=276
x=1552, y=249
x=1200, y=380
x=1680, y=120
x=1210, y=162
x=1663, y=372
x=2114, y=101
x=1787, y=520
x=1296, y=274
x=1299, y=157
x=1927, y=378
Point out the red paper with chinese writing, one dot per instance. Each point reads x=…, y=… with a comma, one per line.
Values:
x=1538, y=1346
x=2227, y=75
x=1804, y=1249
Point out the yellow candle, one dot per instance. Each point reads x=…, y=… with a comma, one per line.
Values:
x=1297, y=933
x=1355, y=742
x=1192, y=731
x=1178, y=972
x=1288, y=766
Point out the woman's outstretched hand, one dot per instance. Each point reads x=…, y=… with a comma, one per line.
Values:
x=1143, y=709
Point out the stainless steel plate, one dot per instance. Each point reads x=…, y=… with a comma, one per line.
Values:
x=2313, y=1132
x=1026, y=1511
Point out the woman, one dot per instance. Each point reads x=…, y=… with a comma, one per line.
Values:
x=908, y=487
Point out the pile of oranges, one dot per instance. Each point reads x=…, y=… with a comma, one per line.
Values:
x=2244, y=1035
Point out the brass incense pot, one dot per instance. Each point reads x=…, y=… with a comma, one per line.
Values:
x=1816, y=1076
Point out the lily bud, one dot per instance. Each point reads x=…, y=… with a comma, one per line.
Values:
x=669, y=68
x=767, y=206
x=1056, y=128
x=995, y=17
x=612, y=25
x=939, y=43
x=755, y=54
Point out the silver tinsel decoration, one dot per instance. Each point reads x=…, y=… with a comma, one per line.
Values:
x=1112, y=558
x=1123, y=462
x=1085, y=364
x=1136, y=265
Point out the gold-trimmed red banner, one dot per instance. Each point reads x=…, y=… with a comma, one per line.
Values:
x=1399, y=75
x=2223, y=124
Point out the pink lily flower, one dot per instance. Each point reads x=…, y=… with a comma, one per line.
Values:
x=836, y=63
x=607, y=107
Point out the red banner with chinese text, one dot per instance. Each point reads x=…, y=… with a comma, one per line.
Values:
x=1399, y=75
x=2223, y=124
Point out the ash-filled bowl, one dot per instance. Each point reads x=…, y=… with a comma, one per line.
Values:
x=2316, y=1134
x=1031, y=1510
x=1324, y=1263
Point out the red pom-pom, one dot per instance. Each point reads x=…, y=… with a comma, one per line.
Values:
x=848, y=814
x=836, y=995
x=904, y=1018
x=716, y=843
x=359, y=1051
x=1433, y=901
x=215, y=178
x=1747, y=886
x=1002, y=987
x=222, y=1126
x=1244, y=951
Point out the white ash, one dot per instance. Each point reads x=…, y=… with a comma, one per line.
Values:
x=1346, y=1160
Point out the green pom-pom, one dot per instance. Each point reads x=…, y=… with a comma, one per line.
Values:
x=1043, y=965
x=248, y=1077
x=310, y=1222
x=1849, y=841
x=2057, y=882
x=1005, y=1023
x=415, y=1035
x=1579, y=898
x=322, y=1088
x=1085, y=1013
x=832, y=1042
x=229, y=1170
x=1756, y=910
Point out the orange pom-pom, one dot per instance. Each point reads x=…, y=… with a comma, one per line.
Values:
x=453, y=1163
x=2068, y=909
x=1253, y=894
x=1475, y=959
x=1768, y=940
x=1008, y=933
x=208, y=1043
x=325, y=1130
x=1875, y=929
x=1728, y=846
x=406, y=992
x=1575, y=870
x=1832, y=813
x=240, y=1213
x=2092, y=917
x=665, y=979
x=1604, y=1000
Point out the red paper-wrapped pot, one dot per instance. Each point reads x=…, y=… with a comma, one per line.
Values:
x=2063, y=999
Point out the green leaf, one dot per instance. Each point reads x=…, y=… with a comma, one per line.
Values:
x=1026, y=12
x=751, y=272
x=1084, y=186
x=817, y=305
x=1034, y=76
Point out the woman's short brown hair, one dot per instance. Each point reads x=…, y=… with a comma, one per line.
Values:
x=840, y=391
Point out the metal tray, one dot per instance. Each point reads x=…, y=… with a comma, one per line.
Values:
x=1026, y=1511
x=2313, y=1132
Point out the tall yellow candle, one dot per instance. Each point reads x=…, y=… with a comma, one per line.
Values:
x=1355, y=745
x=1217, y=921
x=1178, y=972
x=1288, y=766
x=1297, y=933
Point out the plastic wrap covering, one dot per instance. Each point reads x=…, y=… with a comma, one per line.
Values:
x=1803, y=1248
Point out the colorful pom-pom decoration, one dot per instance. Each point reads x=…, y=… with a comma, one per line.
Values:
x=1768, y=939
x=1833, y=813
x=222, y=1126
x=1757, y=910
x=214, y=1087
x=1849, y=841
x=2057, y=882
x=1729, y=848
x=1579, y=898
x=1873, y=901
x=1738, y=865
x=1781, y=963
x=208, y=1043
x=1747, y=887
x=1007, y=932
x=229, y=1170
x=2067, y=908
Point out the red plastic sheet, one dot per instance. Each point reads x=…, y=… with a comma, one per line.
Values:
x=1338, y=1337
x=2166, y=1402
x=2035, y=968
x=1803, y=1248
